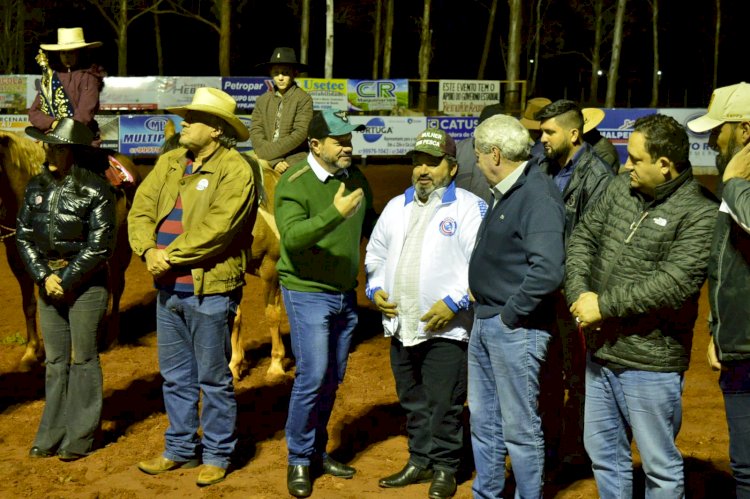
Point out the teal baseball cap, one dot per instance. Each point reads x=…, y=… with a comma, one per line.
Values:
x=331, y=123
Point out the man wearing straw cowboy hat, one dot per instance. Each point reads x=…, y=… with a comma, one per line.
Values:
x=601, y=145
x=186, y=223
x=282, y=115
x=72, y=89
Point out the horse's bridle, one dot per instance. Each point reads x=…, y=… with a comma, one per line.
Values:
x=11, y=232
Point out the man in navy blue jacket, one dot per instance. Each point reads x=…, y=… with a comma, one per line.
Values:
x=515, y=269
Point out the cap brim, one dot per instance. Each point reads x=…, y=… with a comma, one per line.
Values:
x=242, y=132
x=39, y=135
x=435, y=154
x=592, y=116
x=54, y=47
x=347, y=129
x=703, y=124
x=531, y=124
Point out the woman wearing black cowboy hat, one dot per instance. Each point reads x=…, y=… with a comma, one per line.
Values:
x=65, y=234
x=281, y=116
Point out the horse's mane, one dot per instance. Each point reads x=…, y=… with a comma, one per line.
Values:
x=21, y=153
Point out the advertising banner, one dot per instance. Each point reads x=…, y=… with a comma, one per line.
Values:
x=326, y=94
x=246, y=90
x=458, y=128
x=13, y=92
x=143, y=135
x=123, y=93
x=386, y=135
x=376, y=95
x=175, y=91
x=467, y=97
x=109, y=130
x=16, y=123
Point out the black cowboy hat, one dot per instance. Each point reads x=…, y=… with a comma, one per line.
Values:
x=68, y=132
x=283, y=55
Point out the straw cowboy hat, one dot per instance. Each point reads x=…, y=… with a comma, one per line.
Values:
x=533, y=106
x=216, y=103
x=67, y=132
x=69, y=39
x=283, y=55
x=591, y=118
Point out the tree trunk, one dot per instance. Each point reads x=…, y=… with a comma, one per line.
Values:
x=159, y=48
x=596, y=61
x=657, y=75
x=18, y=52
x=425, y=53
x=716, y=43
x=513, y=69
x=614, y=64
x=304, y=37
x=537, y=46
x=329, y=40
x=376, y=42
x=388, y=45
x=224, y=8
x=122, y=39
x=487, y=40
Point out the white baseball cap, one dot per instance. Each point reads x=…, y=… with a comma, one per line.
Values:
x=730, y=103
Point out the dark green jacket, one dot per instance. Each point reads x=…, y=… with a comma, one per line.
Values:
x=646, y=259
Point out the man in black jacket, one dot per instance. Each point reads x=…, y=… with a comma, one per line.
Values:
x=728, y=119
x=635, y=266
x=582, y=178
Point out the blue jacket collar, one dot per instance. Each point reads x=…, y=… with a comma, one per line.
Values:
x=449, y=195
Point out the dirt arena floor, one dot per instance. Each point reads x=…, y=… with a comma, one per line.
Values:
x=367, y=427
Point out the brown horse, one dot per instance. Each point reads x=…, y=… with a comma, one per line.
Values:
x=264, y=254
x=20, y=159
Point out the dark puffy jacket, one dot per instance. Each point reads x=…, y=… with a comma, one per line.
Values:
x=71, y=220
x=729, y=275
x=646, y=259
x=587, y=184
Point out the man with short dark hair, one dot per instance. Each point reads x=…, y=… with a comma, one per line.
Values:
x=582, y=178
x=728, y=119
x=186, y=223
x=417, y=275
x=635, y=266
x=323, y=207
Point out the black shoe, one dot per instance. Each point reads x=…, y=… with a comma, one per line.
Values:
x=66, y=455
x=39, y=452
x=298, y=480
x=407, y=476
x=330, y=466
x=443, y=485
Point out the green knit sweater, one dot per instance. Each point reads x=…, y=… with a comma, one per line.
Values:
x=319, y=247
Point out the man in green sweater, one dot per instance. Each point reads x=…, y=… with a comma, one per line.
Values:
x=322, y=206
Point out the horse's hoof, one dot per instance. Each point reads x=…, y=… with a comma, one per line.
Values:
x=28, y=362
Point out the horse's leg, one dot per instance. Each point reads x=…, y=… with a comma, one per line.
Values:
x=238, y=349
x=272, y=300
x=33, y=349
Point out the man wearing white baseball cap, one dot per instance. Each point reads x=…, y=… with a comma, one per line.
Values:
x=728, y=119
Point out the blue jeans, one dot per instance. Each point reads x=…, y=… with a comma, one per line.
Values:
x=735, y=385
x=193, y=335
x=73, y=381
x=321, y=331
x=646, y=405
x=504, y=366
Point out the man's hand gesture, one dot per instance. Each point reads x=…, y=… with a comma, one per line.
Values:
x=348, y=204
x=437, y=316
x=386, y=308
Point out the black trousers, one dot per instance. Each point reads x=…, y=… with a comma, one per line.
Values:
x=431, y=386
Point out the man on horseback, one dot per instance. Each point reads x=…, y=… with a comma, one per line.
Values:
x=186, y=222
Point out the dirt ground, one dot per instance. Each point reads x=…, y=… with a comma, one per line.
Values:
x=367, y=427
